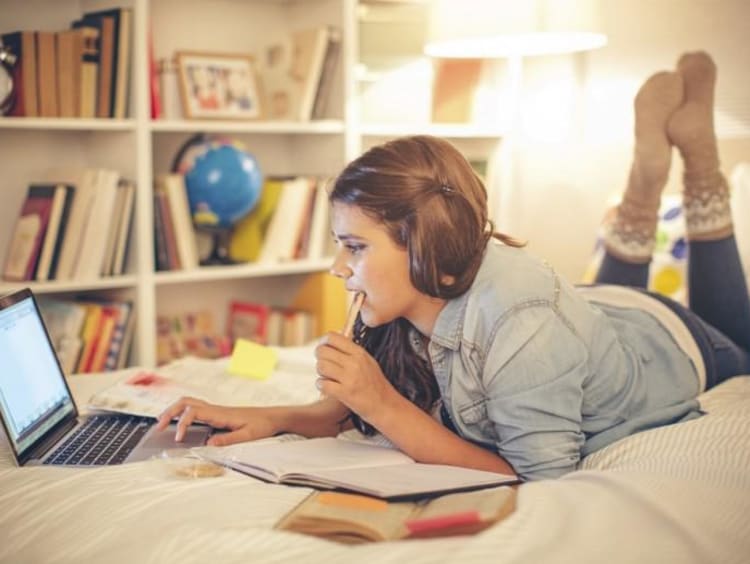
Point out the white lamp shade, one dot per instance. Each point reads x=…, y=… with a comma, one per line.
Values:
x=501, y=28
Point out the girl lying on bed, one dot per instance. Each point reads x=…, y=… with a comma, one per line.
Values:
x=467, y=351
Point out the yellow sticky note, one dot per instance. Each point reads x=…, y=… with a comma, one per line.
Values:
x=252, y=360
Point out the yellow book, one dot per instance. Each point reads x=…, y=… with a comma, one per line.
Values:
x=89, y=335
x=354, y=519
x=325, y=297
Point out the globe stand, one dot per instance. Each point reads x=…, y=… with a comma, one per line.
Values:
x=220, y=247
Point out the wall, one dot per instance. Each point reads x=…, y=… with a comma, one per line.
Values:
x=575, y=141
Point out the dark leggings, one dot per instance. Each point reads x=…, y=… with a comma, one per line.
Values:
x=719, y=314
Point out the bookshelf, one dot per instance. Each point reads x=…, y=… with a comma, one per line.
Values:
x=141, y=148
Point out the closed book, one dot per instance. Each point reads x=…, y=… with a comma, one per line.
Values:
x=64, y=320
x=170, y=237
x=320, y=225
x=89, y=335
x=174, y=187
x=47, y=73
x=310, y=49
x=28, y=234
x=104, y=334
x=94, y=239
x=90, y=56
x=69, y=61
x=122, y=329
x=84, y=181
x=121, y=57
x=288, y=220
x=106, y=67
x=125, y=222
x=61, y=202
x=328, y=74
x=23, y=45
x=353, y=519
x=161, y=256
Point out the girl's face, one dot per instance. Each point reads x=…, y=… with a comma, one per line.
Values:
x=369, y=261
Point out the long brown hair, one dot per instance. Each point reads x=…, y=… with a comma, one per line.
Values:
x=433, y=204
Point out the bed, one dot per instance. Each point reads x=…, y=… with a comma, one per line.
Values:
x=675, y=494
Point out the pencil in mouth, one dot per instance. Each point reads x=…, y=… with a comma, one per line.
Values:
x=359, y=299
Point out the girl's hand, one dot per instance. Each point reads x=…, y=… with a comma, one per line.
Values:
x=244, y=423
x=352, y=376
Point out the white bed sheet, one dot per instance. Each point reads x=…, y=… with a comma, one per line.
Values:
x=674, y=494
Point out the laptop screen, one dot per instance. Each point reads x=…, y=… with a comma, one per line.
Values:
x=33, y=393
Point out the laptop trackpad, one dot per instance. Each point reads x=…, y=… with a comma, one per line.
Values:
x=157, y=441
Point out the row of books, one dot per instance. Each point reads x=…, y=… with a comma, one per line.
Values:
x=290, y=222
x=89, y=335
x=269, y=325
x=74, y=228
x=79, y=72
x=297, y=73
x=191, y=333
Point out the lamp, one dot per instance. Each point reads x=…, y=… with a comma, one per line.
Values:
x=478, y=29
x=511, y=29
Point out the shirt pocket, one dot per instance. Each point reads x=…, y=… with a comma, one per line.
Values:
x=475, y=419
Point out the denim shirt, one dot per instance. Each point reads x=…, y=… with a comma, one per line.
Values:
x=528, y=368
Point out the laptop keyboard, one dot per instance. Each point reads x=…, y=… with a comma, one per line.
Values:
x=101, y=440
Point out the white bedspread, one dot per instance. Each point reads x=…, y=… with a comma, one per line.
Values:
x=675, y=494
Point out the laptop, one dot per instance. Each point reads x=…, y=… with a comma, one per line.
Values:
x=41, y=418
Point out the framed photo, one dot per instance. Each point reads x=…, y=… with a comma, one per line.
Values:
x=218, y=86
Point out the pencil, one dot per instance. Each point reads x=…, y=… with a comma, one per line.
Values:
x=351, y=317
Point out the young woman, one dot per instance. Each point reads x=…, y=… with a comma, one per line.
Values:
x=467, y=351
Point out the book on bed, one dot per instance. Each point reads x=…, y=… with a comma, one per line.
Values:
x=353, y=518
x=338, y=463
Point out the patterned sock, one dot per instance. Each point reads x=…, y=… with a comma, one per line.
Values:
x=630, y=236
x=708, y=214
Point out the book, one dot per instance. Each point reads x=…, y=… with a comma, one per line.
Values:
x=320, y=226
x=324, y=296
x=353, y=519
x=338, y=463
x=454, y=89
x=84, y=181
x=161, y=255
x=90, y=58
x=69, y=64
x=173, y=185
x=287, y=222
x=290, y=70
x=124, y=223
x=246, y=241
x=23, y=45
x=28, y=234
x=248, y=320
x=119, y=83
x=121, y=336
x=64, y=320
x=55, y=233
x=46, y=73
x=94, y=238
x=327, y=74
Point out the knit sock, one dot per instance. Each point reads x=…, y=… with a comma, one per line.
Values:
x=708, y=215
x=630, y=236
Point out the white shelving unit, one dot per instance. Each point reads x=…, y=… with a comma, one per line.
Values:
x=141, y=148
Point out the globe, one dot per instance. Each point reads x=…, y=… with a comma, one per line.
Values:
x=223, y=183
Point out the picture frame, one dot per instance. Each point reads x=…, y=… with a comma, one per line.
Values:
x=218, y=86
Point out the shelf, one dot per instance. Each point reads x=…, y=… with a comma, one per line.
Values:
x=247, y=270
x=450, y=130
x=57, y=286
x=67, y=124
x=324, y=127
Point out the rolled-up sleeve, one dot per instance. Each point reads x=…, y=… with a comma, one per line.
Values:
x=534, y=375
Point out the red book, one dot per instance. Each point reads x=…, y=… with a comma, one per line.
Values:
x=23, y=253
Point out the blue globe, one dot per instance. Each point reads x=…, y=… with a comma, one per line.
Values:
x=223, y=181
